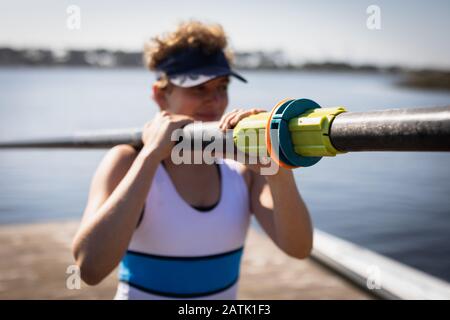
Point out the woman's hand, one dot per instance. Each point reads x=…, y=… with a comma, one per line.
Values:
x=230, y=120
x=156, y=135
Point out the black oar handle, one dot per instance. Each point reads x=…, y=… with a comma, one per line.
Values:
x=422, y=129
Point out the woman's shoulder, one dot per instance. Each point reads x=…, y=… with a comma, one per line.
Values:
x=123, y=152
x=117, y=160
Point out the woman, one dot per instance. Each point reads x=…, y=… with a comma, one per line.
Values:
x=178, y=231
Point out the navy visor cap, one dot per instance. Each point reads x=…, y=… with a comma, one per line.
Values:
x=192, y=67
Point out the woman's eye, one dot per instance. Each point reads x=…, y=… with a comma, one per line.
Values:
x=203, y=90
x=223, y=88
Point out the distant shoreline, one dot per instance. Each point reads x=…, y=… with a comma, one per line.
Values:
x=425, y=79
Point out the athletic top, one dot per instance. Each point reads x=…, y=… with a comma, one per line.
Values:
x=182, y=252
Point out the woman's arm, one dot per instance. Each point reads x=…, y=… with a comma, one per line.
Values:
x=118, y=192
x=279, y=208
x=275, y=201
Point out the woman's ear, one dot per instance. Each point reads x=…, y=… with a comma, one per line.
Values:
x=159, y=96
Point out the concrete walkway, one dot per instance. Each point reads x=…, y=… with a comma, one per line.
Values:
x=35, y=257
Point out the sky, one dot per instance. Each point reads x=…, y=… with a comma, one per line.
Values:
x=412, y=33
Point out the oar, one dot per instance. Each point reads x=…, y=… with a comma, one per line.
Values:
x=297, y=132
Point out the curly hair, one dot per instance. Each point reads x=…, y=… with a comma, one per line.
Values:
x=190, y=34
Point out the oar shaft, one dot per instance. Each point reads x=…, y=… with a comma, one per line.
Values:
x=85, y=140
x=108, y=139
x=422, y=129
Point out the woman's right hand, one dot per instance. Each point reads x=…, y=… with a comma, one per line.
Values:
x=156, y=135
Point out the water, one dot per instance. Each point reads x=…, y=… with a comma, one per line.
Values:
x=397, y=204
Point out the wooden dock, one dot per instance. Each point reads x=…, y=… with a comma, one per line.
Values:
x=35, y=259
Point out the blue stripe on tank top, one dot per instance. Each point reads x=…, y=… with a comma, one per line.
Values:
x=181, y=275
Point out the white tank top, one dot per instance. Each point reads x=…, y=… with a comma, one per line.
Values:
x=179, y=252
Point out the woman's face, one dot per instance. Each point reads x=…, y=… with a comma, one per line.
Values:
x=205, y=102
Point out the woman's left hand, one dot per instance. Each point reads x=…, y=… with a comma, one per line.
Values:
x=231, y=119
